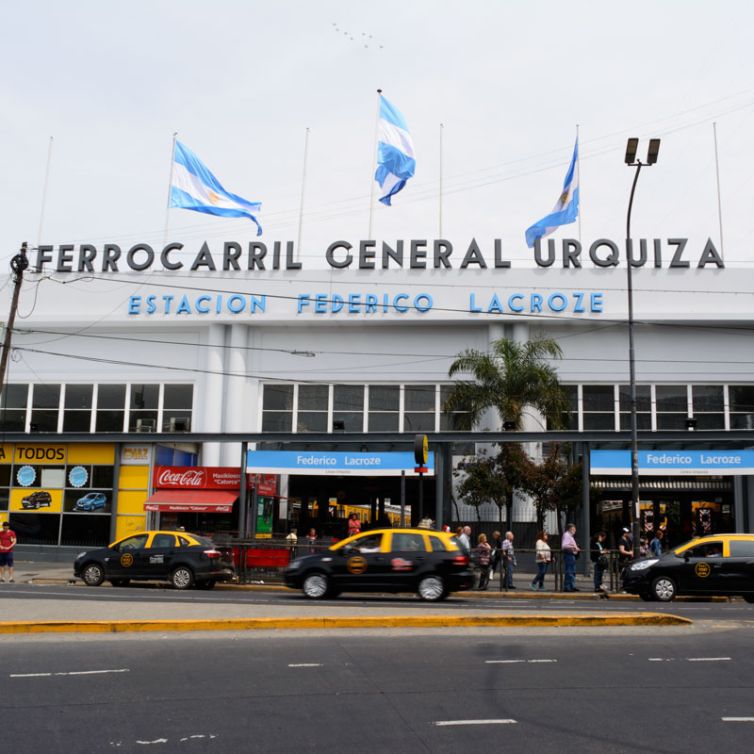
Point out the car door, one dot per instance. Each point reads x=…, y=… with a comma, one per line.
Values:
x=738, y=568
x=155, y=560
x=124, y=558
x=702, y=568
x=408, y=558
x=362, y=563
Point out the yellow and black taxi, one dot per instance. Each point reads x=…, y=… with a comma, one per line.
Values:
x=183, y=559
x=430, y=563
x=718, y=564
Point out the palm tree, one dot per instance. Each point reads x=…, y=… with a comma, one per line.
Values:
x=509, y=378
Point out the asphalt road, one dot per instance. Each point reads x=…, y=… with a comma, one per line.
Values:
x=27, y=601
x=563, y=691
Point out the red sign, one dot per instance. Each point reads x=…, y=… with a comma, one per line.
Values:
x=197, y=478
x=211, y=478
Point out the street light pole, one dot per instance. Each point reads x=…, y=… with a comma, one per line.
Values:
x=631, y=161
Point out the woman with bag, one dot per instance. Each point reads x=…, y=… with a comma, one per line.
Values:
x=543, y=558
x=599, y=557
x=484, y=554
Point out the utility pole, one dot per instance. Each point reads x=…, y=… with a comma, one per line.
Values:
x=18, y=264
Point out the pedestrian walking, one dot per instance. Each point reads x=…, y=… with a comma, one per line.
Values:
x=509, y=559
x=625, y=548
x=292, y=540
x=497, y=550
x=571, y=551
x=543, y=558
x=354, y=524
x=7, y=543
x=464, y=539
x=598, y=556
x=655, y=546
x=484, y=554
x=311, y=538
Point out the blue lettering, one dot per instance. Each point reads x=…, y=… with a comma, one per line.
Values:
x=596, y=302
x=473, y=305
x=579, y=306
x=201, y=305
x=151, y=306
x=303, y=300
x=236, y=304
x=354, y=303
x=495, y=305
x=557, y=307
x=258, y=304
x=423, y=302
x=183, y=306
x=401, y=308
x=535, y=303
x=168, y=300
x=337, y=303
x=218, y=304
x=134, y=304
x=370, y=304
x=516, y=307
x=320, y=303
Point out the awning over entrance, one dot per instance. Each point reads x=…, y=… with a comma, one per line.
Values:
x=191, y=501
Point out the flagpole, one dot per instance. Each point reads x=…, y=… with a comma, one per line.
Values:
x=374, y=163
x=440, y=198
x=303, y=187
x=719, y=202
x=170, y=186
x=578, y=168
x=44, y=192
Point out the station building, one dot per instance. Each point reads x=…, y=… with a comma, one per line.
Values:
x=174, y=344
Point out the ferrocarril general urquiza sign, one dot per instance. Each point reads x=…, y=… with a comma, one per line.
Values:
x=414, y=254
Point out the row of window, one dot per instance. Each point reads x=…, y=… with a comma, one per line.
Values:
x=97, y=408
x=356, y=408
x=72, y=529
x=418, y=408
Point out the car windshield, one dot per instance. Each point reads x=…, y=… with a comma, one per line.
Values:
x=203, y=541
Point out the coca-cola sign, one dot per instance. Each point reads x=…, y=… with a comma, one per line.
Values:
x=196, y=478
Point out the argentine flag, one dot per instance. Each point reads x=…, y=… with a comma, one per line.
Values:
x=194, y=187
x=395, y=151
x=566, y=209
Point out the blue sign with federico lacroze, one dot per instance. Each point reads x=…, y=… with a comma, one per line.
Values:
x=660, y=462
x=337, y=463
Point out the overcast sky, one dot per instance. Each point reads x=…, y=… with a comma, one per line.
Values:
x=241, y=81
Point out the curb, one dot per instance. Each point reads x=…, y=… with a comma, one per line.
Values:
x=328, y=622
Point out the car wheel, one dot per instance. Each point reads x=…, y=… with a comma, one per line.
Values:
x=663, y=589
x=182, y=578
x=120, y=582
x=432, y=589
x=316, y=586
x=748, y=597
x=93, y=574
x=208, y=584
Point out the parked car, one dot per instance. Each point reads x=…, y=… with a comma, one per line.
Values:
x=429, y=563
x=39, y=499
x=718, y=564
x=91, y=502
x=183, y=559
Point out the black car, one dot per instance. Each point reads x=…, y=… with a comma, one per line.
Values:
x=39, y=499
x=182, y=559
x=719, y=564
x=429, y=563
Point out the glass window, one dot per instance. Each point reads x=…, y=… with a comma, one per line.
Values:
x=163, y=540
x=15, y=396
x=598, y=398
x=145, y=396
x=671, y=421
x=277, y=421
x=348, y=398
x=419, y=398
x=413, y=422
x=599, y=421
x=709, y=421
x=455, y=420
x=671, y=398
x=13, y=415
x=132, y=543
x=78, y=396
x=368, y=543
x=82, y=530
x=312, y=421
x=437, y=544
x=77, y=421
x=643, y=421
x=384, y=398
x=313, y=397
x=741, y=548
x=44, y=420
x=408, y=543
x=143, y=421
x=178, y=396
x=277, y=398
x=706, y=550
x=45, y=396
x=111, y=396
x=36, y=528
x=707, y=398
x=643, y=397
x=384, y=422
x=110, y=421
x=741, y=398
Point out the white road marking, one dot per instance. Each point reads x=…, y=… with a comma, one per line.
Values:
x=513, y=662
x=196, y=736
x=708, y=659
x=737, y=719
x=661, y=659
x=446, y=723
x=156, y=741
x=72, y=672
x=304, y=664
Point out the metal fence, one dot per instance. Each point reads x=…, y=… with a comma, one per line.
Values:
x=264, y=561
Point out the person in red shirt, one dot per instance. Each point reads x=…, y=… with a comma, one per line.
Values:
x=354, y=525
x=7, y=543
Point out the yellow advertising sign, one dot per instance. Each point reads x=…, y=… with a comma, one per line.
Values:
x=6, y=453
x=36, y=500
x=48, y=455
